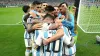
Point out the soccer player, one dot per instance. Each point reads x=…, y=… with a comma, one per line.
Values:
x=53, y=26
x=55, y=37
x=69, y=18
x=54, y=40
x=52, y=35
x=35, y=8
x=44, y=5
x=27, y=37
x=68, y=21
x=57, y=11
x=49, y=10
x=38, y=50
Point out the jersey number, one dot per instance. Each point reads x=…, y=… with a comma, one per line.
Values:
x=54, y=45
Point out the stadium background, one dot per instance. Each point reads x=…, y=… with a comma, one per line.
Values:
x=11, y=30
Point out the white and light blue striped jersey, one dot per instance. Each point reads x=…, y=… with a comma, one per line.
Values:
x=30, y=19
x=26, y=34
x=67, y=36
x=69, y=51
x=66, y=50
x=39, y=50
x=36, y=12
x=52, y=49
x=24, y=23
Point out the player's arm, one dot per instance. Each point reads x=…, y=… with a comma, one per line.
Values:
x=56, y=25
x=67, y=23
x=36, y=20
x=31, y=27
x=33, y=14
x=26, y=17
x=58, y=35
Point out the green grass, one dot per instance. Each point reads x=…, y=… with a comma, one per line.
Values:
x=86, y=44
x=11, y=36
x=12, y=40
x=10, y=15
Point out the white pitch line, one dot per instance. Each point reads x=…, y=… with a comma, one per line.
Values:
x=90, y=24
x=19, y=22
x=10, y=24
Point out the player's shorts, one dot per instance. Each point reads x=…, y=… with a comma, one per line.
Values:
x=27, y=39
x=69, y=51
x=28, y=42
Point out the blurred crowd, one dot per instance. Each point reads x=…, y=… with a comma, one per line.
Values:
x=7, y=3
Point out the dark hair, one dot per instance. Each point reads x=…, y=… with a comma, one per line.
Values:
x=25, y=8
x=49, y=8
x=44, y=2
x=48, y=15
x=63, y=3
x=36, y=3
x=55, y=6
x=26, y=17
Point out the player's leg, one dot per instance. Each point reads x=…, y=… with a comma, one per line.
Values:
x=27, y=44
x=73, y=54
x=28, y=51
x=28, y=47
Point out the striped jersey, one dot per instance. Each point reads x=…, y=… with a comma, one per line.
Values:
x=52, y=49
x=26, y=34
x=66, y=50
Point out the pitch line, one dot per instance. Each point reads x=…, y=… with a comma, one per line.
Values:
x=10, y=24
x=19, y=22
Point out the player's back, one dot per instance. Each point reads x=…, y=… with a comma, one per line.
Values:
x=54, y=48
x=24, y=21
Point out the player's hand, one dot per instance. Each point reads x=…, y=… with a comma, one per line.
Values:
x=62, y=17
x=37, y=26
x=34, y=45
x=58, y=21
x=45, y=41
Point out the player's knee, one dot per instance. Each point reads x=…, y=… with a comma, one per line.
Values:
x=29, y=48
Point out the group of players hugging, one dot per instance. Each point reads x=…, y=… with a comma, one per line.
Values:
x=49, y=30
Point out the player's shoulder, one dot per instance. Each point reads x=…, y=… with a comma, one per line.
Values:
x=33, y=11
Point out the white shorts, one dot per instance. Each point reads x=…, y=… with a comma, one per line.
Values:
x=28, y=42
x=69, y=51
x=26, y=35
x=27, y=39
